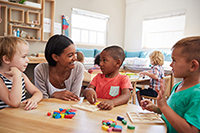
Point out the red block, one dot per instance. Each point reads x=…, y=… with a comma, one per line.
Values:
x=70, y=116
x=73, y=110
x=49, y=113
x=105, y=121
x=117, y=130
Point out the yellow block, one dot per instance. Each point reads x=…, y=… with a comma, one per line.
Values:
x=62, y=115
x=104, y=127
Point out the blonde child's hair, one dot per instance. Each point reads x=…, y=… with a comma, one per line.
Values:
x=80, y=56
x=8, y=46
x=190, y=48
x=157, y=58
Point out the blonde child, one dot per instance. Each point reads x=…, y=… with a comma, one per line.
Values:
x=156, y=73
x=109, y=84
x=181, y=112
x=13, y=82
x=79, y=56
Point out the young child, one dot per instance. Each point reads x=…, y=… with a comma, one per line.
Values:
x=156, y=73
x=13, y=82
x=109, y=84
x=181, y=112
x=96, y=64
x=79, y=56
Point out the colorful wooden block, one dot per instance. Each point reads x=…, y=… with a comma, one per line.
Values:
x=73, y=110
x=57, y=116
x=131, y=127
x=110, y=129
x=70, y=116
x=105, y=121
x=120, y=118
x=72, y=113
x=68, y=109
x=49, y=113
x=96, y=103
x=112, y=125
x=104, y=127
x=56, y=112
x=115, y=122
x=108, y=123
x=62, y=115
x=111, y=120
x=118, y=126
x=60, y=109
x=117, y=129
x=124, y=122
x=54, y=115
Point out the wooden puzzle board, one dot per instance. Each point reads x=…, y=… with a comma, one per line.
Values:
x=86, y=106
x=144, y=117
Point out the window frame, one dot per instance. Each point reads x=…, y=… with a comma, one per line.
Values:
x=95, y=16
x=164, y=33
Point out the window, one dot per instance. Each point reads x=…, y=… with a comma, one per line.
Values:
x=89, y=27
x=163, y=31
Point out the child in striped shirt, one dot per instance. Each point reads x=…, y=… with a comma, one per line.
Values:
x=13, y=82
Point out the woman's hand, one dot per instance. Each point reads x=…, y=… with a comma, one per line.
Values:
x=65, y=95
x=30, y=104
x=106, y=105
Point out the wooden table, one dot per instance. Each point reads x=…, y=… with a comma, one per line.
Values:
x=13, y=120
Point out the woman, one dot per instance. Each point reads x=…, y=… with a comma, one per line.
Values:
x=61, y=77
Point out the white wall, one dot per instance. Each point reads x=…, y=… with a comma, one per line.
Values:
x=136, y=10
x=114, y=8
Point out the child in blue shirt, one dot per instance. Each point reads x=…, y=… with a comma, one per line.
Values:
x=181, y=112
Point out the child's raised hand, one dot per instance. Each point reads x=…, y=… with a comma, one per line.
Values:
x=161, y=99
x=30, y=104
x=106, y=105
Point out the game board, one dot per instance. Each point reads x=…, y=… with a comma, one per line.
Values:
x=144, y=117
x=86, y=106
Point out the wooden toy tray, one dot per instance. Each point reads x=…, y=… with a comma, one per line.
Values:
x=86, y=106
x=144, y=117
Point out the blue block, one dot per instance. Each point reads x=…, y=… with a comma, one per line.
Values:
x=61, y=109
x=108, y=123
x=72, y=113
x=120, y=118
x=56, y=113
x=118, y=126
x=57, y=116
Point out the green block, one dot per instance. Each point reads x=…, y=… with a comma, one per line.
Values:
x=54, y=115
x=131, y=127
x=124, y=122
x=112, y=124
x=104, y=123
